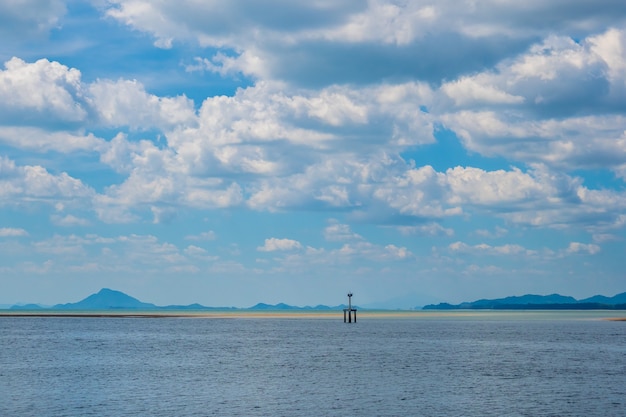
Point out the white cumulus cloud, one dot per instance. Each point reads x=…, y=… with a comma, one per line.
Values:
x=274, y=244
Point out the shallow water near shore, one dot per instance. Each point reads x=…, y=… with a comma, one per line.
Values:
x=437, y=364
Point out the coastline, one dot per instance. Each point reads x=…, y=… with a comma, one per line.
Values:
x=610, y=315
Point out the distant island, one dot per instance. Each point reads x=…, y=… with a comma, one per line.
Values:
x=539, y=302
x=107, y=299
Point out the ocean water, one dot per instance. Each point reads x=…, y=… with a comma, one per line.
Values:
x=437, y=365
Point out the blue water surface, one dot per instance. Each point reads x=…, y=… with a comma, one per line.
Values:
x=447, y=366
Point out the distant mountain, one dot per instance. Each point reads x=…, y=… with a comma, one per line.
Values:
x=26, y=307
x=616, y=299
x=283, y=306
x=263, y=306
x=323, y=307
x=107, y=299
x=531, y=301
x=194, y=306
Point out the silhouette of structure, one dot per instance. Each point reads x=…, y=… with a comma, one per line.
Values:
x=347, y=312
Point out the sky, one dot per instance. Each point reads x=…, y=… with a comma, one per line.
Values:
x=230, y=153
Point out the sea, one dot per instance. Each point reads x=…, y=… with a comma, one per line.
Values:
x=419, y=364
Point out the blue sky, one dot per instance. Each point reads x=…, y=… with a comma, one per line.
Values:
x=242, y=152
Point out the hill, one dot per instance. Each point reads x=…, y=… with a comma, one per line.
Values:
x=616, y=299
x=26, y=307
x=532, y=301
x=107, y=299
x=283, y=306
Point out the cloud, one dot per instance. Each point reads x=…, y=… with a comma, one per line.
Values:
x=417, y=192
x=577, y=247
x=42, y=268
x=157, y=176
x=126, y=103
x=396, y=252
x=209, y=235
x=473, y=90
x=251, y=133
x=604, y=237
x=426, y=127
x=483, y=248
x=497, y=233
x=29, y=18
x=577, y=143
x=12, y=232
x=40, y=140
x=430, y=229
x=195, y=250
x=201, y=254
x=163, y=215
x=131, y=254
x=566, y=112
x=34, y=183
x=320, y=44
x=336, y=232
x=139, y=192
x=518, y=250
x=69, y=220
x=362, y=253
x=49, y=94
x=539, y=197
x=480, y=187
x=61, y=246
x=274, y=244
x=48, y=89
x=474, y=270
x=226, y=25
x=147, y=250
x=367, y=252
